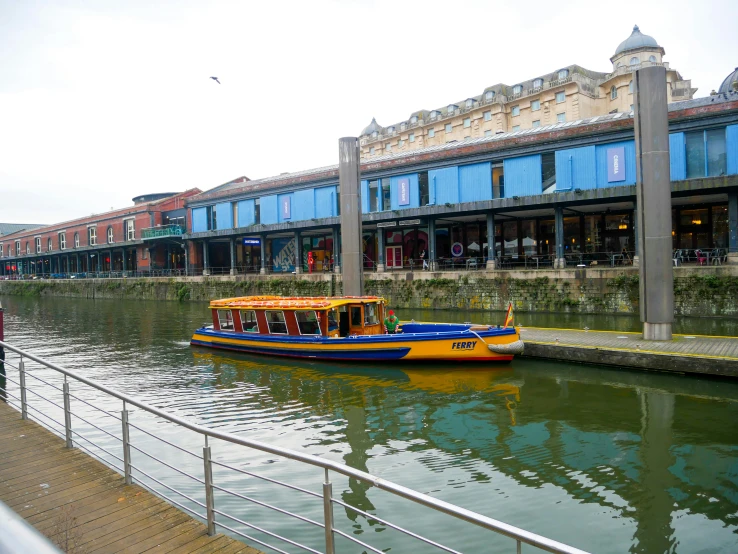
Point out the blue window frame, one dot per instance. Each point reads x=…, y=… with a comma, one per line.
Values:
x=706, y=153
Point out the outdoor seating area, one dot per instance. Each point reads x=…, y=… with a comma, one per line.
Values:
x=697, y=256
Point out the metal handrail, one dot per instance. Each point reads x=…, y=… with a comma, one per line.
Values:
x=463, y=514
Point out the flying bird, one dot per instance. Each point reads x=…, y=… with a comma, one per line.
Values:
x=215, y=79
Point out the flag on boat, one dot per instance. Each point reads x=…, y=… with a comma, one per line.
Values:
x=509, y=316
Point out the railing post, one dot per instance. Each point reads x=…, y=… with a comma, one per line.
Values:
x=328, y=514
x=67, y=414
x=22, y=380
x=209, y=500
x=126, y=446
x=520, y=547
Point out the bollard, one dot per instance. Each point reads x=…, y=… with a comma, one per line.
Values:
x=328, y=514
x=209, y=499
x=67, y=414
x=22, y=381
x=126, y=446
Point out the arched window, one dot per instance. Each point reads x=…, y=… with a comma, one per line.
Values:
x=391, y=129
x=517, y=89
x=469, y=103
x=48, y=245
x=489, y=95
x=538, y=83
x=414, y=120
x=630, y=87
x=110, y=235
x=28, y=248
x=634, y=60
x=563, y=74
x=652, y=59
x=92, y=236
x=433, y=114
x=451, y=109
x=38, y=245
x=76, y=240
x=613, y=93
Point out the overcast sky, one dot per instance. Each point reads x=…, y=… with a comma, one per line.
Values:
x=103, y=101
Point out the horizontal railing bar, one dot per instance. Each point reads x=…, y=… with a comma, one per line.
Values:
x=357, y=541
x=275, y=508
x=80, y=435
x=168, y=499
x=32, y=407
x=293, y=487
x=96, y=427
x=8, y=364
x=165, y=441
x=250, y=538
x=30, y=374
x=14, y=382
x=103, y=460
x=33, y=392
x=8, y=393
x=447, y=508
x=261, y=530
x=166, y=464
x=93, y=406
x=396, y=527
x=170, y=488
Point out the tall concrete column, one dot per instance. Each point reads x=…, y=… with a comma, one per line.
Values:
x=653, y=189
x=123, y=260
x=560, y=261
x=186, y=247
x=298, y=253
x=432, y=261
x=337, y=250
x=234, y=271
x=733, y=227
x=262, y=241
x=491, y=261
x=205, y=259
x=348, y=179
x=381, y=263
x=637, y=254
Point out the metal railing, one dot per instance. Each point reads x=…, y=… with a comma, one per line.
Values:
x=219, y=517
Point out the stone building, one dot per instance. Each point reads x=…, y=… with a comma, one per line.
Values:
x=569, y=93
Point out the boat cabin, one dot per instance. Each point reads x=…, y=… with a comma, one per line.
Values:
x=300, y=316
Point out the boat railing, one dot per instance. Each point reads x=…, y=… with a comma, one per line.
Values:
x=219, y=482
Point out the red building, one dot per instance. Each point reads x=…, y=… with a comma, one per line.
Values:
x=143, y=238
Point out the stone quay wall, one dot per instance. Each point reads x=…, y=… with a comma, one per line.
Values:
x=698, y=291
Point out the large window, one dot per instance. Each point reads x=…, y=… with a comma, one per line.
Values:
x=371, y=314
x=431, y=132
x=131, y=229
x=467, y=122
x=248, y=321
x=76, y=240
x=548, y=170
x=49, y=245
x=487, y=116
x=276, y=322
x=257, y=211
x=423, y=186
x=225, y=319
x=613, y=92
x=561, y=117
x=38, y=245
x=110, y=235
x=515, y=111
x=307, y=322
x=449, y=127
x=560, y=97
x=28, y=248
x=373, y=196
x=528, y=227
x=62, y=241
x=92, y=236
x=517, y=89
x=535, y=105
x=498, y=181
x=386, y=195
x=706, y=153
x=510, y=238
x=563, y=73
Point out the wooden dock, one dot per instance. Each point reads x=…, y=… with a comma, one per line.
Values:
x=697, y=354
x=83, y=506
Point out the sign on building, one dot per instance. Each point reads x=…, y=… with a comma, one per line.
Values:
x=251, y=242
x=286, y=208
x=616, y=164
x=403, y=192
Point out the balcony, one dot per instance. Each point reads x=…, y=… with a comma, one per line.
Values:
x=162, y=231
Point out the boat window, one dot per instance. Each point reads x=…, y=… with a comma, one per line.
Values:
x=277, y=324
x=355, y=316
x=248, y=321
x=307, y=322
x=371, y=316
x=332, y=319
x=226, y=320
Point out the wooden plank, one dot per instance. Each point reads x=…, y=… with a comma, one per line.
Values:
x=138, y=531
x=154, y=540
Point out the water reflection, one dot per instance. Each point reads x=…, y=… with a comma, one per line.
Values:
x=608, y=460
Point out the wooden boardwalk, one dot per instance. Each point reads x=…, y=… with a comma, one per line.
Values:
x=685, y=354
x=83, y=506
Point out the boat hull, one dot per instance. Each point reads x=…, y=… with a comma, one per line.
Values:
x=431, y=342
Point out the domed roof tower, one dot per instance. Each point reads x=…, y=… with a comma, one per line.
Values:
x=371, y=128
x=730, y=83
x=637, y=48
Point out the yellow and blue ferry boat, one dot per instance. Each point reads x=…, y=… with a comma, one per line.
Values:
x=347, y=328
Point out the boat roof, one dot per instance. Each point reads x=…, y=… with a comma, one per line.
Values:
x=292, y=302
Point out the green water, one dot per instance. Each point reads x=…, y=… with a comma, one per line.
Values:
x=605, y=460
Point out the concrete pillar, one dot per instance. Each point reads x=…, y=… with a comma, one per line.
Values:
x=123, y=259
x=432, y=255
x=653, y=189
x=560, y=261
x=637, y=255
x=234, y=271
x=336, y=250
x=298, y=253
x=262, y=240
x=491, y=260
x=186, y=247
x=348, y=179
x=381, y=263
x=733, y=227
x=205, y=259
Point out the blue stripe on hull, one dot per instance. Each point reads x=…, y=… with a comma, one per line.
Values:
x=385, y=354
